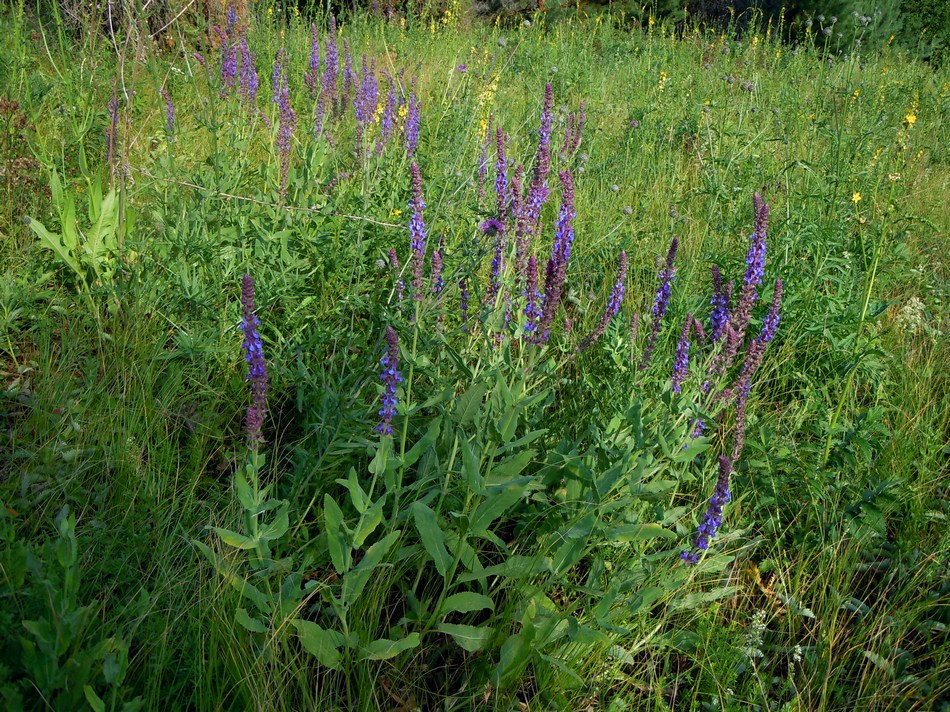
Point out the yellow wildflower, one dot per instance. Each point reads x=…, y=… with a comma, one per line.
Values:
x=910, y=119
x=856, y=197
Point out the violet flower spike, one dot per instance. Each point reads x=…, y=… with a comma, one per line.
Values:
x=257, y=366
x=276, y=76
x=169, y=112
x=391, y=379
x=556, y=271
x=681, y=361
x=532, y=309
x=502, y=191
x=438, y=283
x=756, y=351
x=417, y=232
x=712, y=519
x=247, y=87
x=720, y=306
x=288, y=124
x=538, y=191
x=412, y=125
x=660, y=303
x=613, y=305
x=312, y=76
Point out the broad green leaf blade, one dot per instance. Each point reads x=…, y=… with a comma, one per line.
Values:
x=247, y=622
x=234, y=539
x=337, y=538
x=433, y=539
x=466, y=602
x=384, y=649
x=427, y=440
x=355, y=581
x=323, y=644
x=638, y=532
x=469, y=403
x=471, y=638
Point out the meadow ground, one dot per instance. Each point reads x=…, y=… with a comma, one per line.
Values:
x=479, y=436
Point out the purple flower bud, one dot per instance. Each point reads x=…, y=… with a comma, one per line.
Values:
x=249, y=81
x=502, y=193
x=532, y=309
x=538, y=191
x=391, y=379
x=720, y=306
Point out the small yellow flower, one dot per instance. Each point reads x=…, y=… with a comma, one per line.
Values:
x=862, y=220
x=857, y=93
x=856, y=197
x=893, y=177
x=396, y=212
x=910, y=119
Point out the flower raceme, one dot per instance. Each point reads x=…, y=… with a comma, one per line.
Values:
x=391, y=379
x=257, y=366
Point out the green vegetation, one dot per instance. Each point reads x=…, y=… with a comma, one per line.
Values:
x=517, y=541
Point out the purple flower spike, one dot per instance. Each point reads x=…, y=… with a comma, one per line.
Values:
x=438, y=284
x=312, y=76
x=753, y=360
x=389, y=114
x=169, y=112
x=661, y=303
x=412, y=124
x=391, y=379
x=349, y=76
x=712, y=519
x=681, y=362
x=613, y=305
x=247, y=88
x=229, y=60
x=572, y=133
x=276, y=77
x=257, y=366
x=556, y=271
x=417, y=232
x=502, y=190
x=532, y=309
x=538, y=191
x=720, y=306
x=288, y=124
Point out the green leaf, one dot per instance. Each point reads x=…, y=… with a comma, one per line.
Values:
x=466, y=602
x=234, y=539
x=52, y=241
x=93, y=699
x=337, y=538
x=468, y=405
x=471, y=638
x=473, y=478
x=495, y=504
x=384, y=649
x=323, y=644
x=368, y=522
x=276, y=529
x=355, y=581
x=638, y=532
x=423, y=444
x=689, y=453
x=244, y=493
x=505, y=471
x=432, y=537
x=247, y=622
